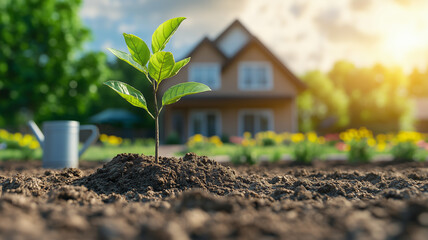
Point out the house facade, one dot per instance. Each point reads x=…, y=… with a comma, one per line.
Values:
x=421, y=114
x=252, y=90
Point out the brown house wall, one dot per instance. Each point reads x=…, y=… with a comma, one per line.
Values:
x=229, y=77
x=281, y=84
x=282, y=111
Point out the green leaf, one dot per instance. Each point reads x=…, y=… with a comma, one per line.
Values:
x=178, y=91
x=161, y=65
x=164, y=32
x=129, y=93
x=128, y=58
x=138, y=49
x=179, y=65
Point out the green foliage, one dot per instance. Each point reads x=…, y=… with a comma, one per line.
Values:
x=43, y=73
x=179, y=65
x=418, y=84
x=360, y=151
x=322, y=99
x=244, y=155
x=350, y=97
x=173, y=138
x=175, y=93
x=108, y=98
x=276, y=156
x=306, y=151
x=405, y=152
x=128, y=59
x=161, y=65
x=130, y=94
x=164, y=32
x=138, y=49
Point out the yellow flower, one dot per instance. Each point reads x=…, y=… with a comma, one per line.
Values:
x=216, y=141
x=17, y=136
x=321, y=140
x=380, y=137
x=247, y=135
x=4, y=134
x=371, y=142
x=113, y=140
x=198, y=138
x=103, y=138
x=278, y=139
x=381, y=146
x=34, y=145
x=344, y=136
x=297, y=137
x=312, y=137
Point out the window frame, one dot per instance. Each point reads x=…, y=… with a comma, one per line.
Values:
x=241, y=81
x=204, y=113
x=217, y=81
x=257, y=113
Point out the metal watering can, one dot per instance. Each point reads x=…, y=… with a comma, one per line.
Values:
x=60, y=142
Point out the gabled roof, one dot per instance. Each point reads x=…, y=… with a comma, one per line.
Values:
x=252, y=41
x=207, y=41
x=235, y=23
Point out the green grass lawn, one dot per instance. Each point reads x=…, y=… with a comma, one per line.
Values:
x=101, y=153
x=94, y=153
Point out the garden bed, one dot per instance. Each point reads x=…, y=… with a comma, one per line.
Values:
x=197, y=198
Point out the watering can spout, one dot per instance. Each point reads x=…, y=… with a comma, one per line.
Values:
x=36, y=130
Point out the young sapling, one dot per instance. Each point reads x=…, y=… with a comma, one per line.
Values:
x=157, y=66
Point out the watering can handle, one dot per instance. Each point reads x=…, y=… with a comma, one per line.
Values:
x=91, y=138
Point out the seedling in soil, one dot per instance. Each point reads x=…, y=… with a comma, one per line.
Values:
x=157, y=66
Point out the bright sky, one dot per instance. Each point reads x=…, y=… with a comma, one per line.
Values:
x=304, y=34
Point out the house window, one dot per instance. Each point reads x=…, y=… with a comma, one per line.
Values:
x=254, y=121
x=206, y=123
x=206, y=73
x=255, y=76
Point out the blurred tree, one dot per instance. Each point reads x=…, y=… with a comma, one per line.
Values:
x=322, y=105
x=43, y=75
x=418, y=84
x=347, y=96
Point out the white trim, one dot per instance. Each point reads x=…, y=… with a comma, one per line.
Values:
x=257, y=112
x=203, y=113
x=217, y=77
x=267, y=65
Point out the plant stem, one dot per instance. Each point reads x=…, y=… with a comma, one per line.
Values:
x=156, y=122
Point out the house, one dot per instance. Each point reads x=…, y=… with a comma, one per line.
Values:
x=252, y=90
x=421, y=114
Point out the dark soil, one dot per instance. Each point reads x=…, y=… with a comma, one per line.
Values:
x=132, y=197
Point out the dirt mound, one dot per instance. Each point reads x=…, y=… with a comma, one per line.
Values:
x=140, y=174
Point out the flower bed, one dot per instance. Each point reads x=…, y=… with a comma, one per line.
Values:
x=357, y=145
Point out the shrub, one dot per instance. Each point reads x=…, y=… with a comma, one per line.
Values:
x=173, y=138
x=405, y=151
x=360, y=151
x=244, y=155
x=275, y=156
x=306, y=151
